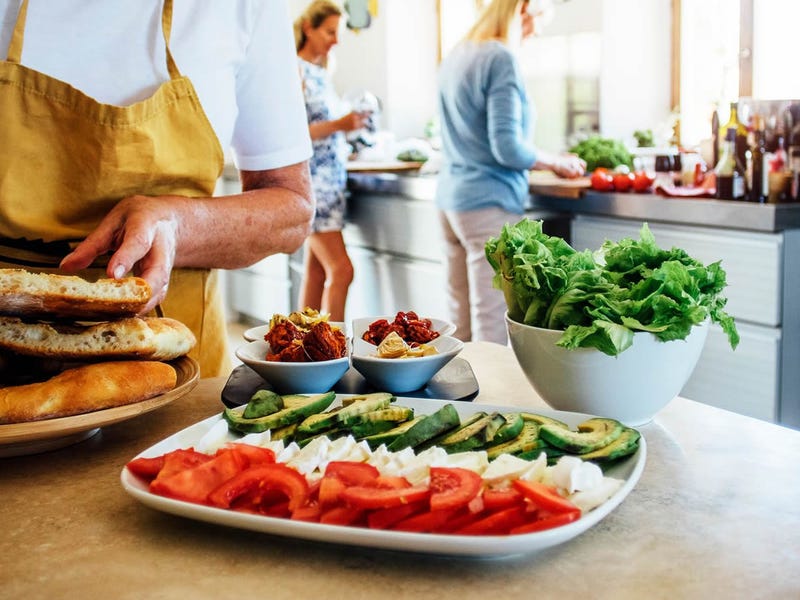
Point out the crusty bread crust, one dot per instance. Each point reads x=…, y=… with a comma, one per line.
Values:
x=50, y=296
x=86, y=389
x=151, y=338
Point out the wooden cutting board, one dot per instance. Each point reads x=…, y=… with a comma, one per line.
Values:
x=547, y=183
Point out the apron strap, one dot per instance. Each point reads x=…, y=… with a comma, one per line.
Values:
x=166, y=27
x=17, y=37
x=15, y=46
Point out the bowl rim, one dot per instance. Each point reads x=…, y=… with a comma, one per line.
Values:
x=248, y=359
x=457, y=347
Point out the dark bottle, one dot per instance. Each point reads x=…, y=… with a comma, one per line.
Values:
x=715, y=141
x=729, y=171
x=759, y=172
x=741, y=133
x=794, y=163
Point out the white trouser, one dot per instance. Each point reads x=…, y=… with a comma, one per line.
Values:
x=474, y=305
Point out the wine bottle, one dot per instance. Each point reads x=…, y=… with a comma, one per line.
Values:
x=759, y=172
x=741, y=133
x=729, y=170
x=715, y=141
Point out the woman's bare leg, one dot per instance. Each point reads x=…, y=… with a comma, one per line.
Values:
x=329, y=251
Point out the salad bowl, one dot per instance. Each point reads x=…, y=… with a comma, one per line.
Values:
x=630, y=387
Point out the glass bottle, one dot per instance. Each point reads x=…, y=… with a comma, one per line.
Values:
x=741, y=133
x=759, y=171
x=729, y=171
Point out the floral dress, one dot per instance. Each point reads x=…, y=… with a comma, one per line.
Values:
x=328, y=163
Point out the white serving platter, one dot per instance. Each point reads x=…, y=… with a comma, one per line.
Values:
x=628, y=469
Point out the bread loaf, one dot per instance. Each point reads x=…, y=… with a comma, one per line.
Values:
x=86, y=389
x=50, y=296
x=152, y=338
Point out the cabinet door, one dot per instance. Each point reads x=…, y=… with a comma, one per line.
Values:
x=744, y=381
x=752, y=261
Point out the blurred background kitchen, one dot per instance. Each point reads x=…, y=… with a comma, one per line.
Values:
x=664, y=70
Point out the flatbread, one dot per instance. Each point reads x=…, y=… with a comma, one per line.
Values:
x=50, y=296
x=85, y=389
x=149, y=338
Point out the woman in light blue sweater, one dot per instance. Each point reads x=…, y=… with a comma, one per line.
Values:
x=486, y=121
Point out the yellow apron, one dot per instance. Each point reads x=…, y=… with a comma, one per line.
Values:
x=66, y=159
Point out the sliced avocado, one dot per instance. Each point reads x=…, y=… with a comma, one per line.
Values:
x=591, y=435
x=358, y=398
x=294, y=400
x=541, y=419
x=364, y=404
x=389, y=436
x=368, y=428
x=473, y=436
x=263, y=403
x=467, y=422
x=287, y=416
x=528, y=439
x=509, y=430
x=624, y=445
x=444, y=419
x=285, y=433
x=392, y=414
x=318, y=422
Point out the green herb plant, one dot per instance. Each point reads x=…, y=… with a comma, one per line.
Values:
x=601, y=299
x=598, y=151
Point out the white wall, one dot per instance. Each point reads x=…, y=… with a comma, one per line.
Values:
x=395, y=58
x=635, y=76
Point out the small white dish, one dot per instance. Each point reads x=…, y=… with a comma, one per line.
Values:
x=293, y=377
x=257, y=333
x=401, y=375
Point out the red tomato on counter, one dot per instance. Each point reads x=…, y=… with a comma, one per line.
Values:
x=642, y=181
x=602, y=180
x=623, y=181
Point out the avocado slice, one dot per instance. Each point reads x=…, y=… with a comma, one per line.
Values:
x=626, y=444
x=527, y=440
x=263, y=403
x=444, y=419
x=591, y=435
x=391, y=435
x=313, y=404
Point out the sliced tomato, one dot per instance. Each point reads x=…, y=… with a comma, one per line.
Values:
x=452, y=487
x=425, y=521
x=460, y=518
x=497, y=523
x=372, y=497
x=310, y=512
x=494, y=499
x=256, y=455
x=180, y=460
x=145, y=467
x=544, y=496
x=196, y=483
x=383, y=518
x=351, y=472
x=264, y=477
x=341, y=515
x=330, y=489
x=554, y=520
x=391, y=481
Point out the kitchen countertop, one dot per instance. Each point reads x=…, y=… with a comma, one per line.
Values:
x=716, y=514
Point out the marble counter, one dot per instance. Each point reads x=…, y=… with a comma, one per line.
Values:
x=716, y=514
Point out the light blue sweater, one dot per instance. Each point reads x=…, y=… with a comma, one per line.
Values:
x=485, y=123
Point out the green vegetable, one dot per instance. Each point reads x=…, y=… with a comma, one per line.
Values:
x=644, y=138
x=598, y=151
x=600, y=302
x=263, y=403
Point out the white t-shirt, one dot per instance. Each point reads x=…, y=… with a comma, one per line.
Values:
x=239, y=54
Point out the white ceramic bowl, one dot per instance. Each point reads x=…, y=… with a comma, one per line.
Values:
x=631, y=387
x=442, y=326
x=293, y=378
x=400, y=375
x=257, y=333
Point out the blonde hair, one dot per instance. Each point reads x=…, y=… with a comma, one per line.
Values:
x=494, y=20
x=315, y=13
